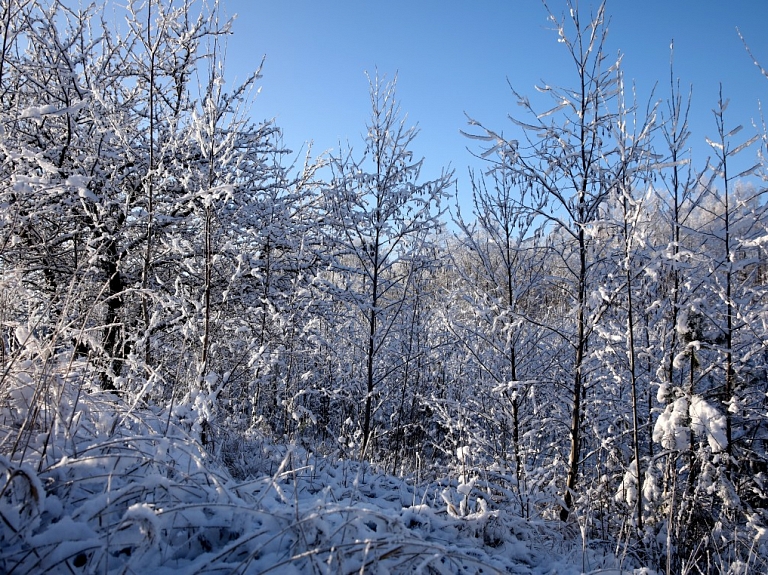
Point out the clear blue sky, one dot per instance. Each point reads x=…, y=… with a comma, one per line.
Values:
x=456, y=56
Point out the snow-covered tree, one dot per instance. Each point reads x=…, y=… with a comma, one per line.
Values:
x=380, y=217
x=494, y=315
x=565, y=167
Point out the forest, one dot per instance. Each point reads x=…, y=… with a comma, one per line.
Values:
x=215, y=358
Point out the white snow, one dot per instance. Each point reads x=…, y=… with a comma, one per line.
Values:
x=670, y=429
x=708, y=422
x=120, y=492
x=672, y=426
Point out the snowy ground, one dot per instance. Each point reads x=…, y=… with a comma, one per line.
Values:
x=106, y=489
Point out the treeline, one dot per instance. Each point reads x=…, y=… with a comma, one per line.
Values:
x=589, y=344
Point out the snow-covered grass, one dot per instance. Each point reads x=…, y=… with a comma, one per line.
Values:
x=91, y=485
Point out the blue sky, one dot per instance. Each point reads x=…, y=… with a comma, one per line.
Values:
x=456, y=56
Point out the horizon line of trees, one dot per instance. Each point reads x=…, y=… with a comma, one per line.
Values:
x=588, y=345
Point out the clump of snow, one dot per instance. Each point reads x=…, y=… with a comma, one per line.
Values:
x=671, y=429
x=706, y=421
x=37, y=112
x=463, y=453
x=681, y=417
x=627, y=491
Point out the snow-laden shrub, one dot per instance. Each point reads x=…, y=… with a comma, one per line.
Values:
x=93, y=484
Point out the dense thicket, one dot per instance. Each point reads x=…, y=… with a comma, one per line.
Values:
x=588, y=345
